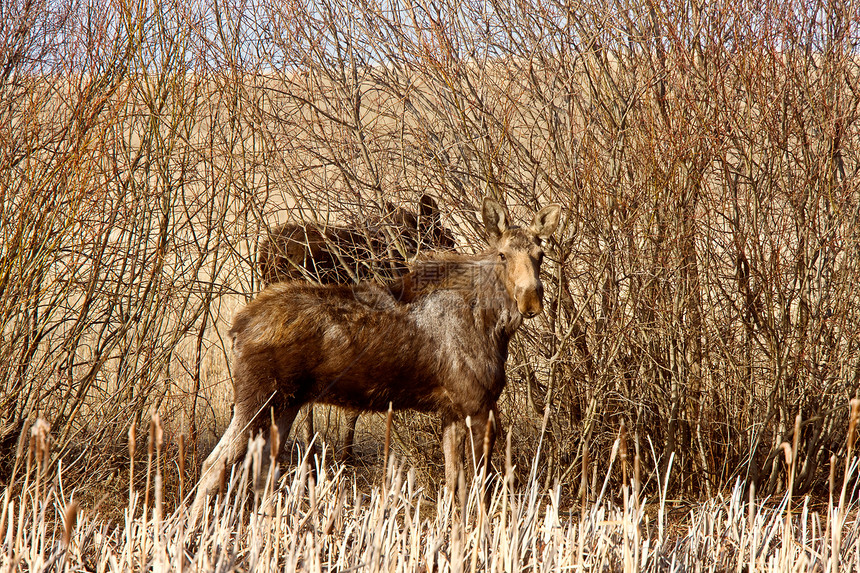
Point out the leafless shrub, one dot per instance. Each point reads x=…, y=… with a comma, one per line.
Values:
x=705, y=284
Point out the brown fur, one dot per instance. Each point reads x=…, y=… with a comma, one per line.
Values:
x=340, y=255
x=436, y=341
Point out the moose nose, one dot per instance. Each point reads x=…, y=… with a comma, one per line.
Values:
x=529, y=302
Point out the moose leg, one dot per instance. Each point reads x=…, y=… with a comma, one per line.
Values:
x=482, y=440
x=308, y=429
x=232, y=445
x=229, y=448
x=349, y=439
x=453, y=436
x=285, y=422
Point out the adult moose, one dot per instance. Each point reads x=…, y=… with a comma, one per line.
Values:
x=345, y=255
x=437, y=341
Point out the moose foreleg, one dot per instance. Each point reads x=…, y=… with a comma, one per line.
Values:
x=349, y=437
x=482, y=440
x=453, y=436
x=229, y=448
x=308, y=433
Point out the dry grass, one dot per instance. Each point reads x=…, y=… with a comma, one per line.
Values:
x=323, y=521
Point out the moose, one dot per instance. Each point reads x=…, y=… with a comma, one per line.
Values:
x=342, y=255
x=435, y=340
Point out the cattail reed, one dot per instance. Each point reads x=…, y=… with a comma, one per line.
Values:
x=312, y=517
x=222, y=483
x=509, y=465
x=789, y=487
x=751, y=511
x=150, y=450
x=637, y=477
x=839, y=514
x=461, y=488
x=307, y=526
x=70, y=518
x=181, y=463
x=132, y=444
x=274, y=448
x=791, y=468
x=336, y=514
x=3, y=509
x=508, y=483
x=40, y=439
x=159, y=442
x=625, y=488
x=583, y=479
x=484, y=475
x=831, y=480
x=388, y=421
x=854, y=411
x=274, y=440
x=622, y=451
x=854, y=406
x=488, y=436
x=832, y=511
x=795, y=442
x=31, y=453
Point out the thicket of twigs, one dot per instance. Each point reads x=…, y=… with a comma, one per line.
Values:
x=703, y=287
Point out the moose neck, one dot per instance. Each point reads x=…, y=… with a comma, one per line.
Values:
x=499, y=306
x=472, y=283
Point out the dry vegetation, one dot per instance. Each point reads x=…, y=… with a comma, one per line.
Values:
x=704, y=289
x=323, y=520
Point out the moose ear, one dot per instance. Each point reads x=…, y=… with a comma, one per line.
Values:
x=429, y=210
x=545, y=221
x=495, y=219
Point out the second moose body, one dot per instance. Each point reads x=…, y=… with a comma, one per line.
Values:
x=344, y=255
x=436, y=341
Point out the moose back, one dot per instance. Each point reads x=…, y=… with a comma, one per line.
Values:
x=344, y=255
